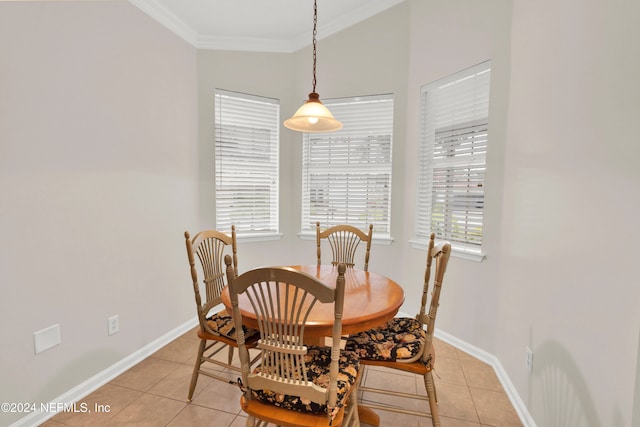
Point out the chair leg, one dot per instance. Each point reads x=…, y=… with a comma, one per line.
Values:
x=435, y=392
x=355, y=421
x=255, y=422
x=196, y=369
x=230, y=354
x=431, y=394
x=361, y=379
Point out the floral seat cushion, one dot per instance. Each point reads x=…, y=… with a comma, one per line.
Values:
x=398, y=339
x=222, y=323
x=318, y=361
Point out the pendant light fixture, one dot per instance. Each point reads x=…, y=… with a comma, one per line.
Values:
x=313, y=116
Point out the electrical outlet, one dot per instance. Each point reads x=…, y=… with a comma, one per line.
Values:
x=113, y=324
x=529, y=359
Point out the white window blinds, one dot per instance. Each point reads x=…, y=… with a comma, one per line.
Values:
x=347, y=173
x=246, y=162
x=452, y=158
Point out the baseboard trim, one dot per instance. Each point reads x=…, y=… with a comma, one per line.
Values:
x=490, y=359
x=101, y=378
x=81, y=390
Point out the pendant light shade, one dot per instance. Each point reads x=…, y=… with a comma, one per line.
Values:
x=313, y=116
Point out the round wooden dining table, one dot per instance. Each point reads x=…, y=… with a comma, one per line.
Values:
x=370, y=300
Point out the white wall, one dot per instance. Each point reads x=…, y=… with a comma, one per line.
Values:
x=569, y=283
x=98, y=176
x=369, y=58
x=562, y=197
x=264, y=74
x=106, y=149
x=447, y=37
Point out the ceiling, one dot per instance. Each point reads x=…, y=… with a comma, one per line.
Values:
x=258, y=25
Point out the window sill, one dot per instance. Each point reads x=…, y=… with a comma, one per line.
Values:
x=456, y=252
x=384, y=240
x=258, y=237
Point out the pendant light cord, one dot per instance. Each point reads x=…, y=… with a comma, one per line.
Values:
x=315, y=32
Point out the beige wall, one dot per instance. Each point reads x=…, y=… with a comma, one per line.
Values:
x=447, y=37
x=369, y=58
x=98, y=177
x=264, y=74
x=569, y=277
x=106, y=154
x=561, y=198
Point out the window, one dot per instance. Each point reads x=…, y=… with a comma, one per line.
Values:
x=452, y=159
x=347, y=173
x=246, y=162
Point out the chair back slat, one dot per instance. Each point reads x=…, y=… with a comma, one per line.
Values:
x=209, y=251
x=440, y=255
x=209, y=247
x=422, y=317
x=282, y=300
x=344, y=241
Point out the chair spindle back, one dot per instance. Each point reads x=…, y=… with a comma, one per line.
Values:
x=209, y=247
x=282, y=300
x=440, y=254
x=344, y=240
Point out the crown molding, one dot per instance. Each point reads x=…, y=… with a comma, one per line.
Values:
x=204, y=41
x=168, y=19
x=373, y=7
x=249, y=44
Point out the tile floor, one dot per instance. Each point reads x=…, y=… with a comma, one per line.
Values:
x=153, y=393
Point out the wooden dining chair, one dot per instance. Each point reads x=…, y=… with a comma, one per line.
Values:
x=217, y=330
x=406, y=343
x=344, y=240
x=295, y=384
